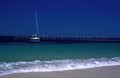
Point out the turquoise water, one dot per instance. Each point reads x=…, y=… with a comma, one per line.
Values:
x=20, y=58
x=31, y=52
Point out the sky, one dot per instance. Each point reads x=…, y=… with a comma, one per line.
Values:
x=60, y=17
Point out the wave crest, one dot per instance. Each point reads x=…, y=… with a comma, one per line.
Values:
x=55, y=65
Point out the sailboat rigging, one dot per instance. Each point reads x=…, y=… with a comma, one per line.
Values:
x=35, y=38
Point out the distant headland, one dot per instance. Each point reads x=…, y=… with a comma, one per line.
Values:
x=59, y=39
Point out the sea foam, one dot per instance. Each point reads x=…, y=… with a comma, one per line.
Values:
x=55, y=65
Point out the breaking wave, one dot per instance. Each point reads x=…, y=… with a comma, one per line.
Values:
x=55, y=65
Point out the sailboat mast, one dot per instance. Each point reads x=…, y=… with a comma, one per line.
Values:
x=37, y=25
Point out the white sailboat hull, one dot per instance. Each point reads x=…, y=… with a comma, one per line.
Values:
x=35, y=40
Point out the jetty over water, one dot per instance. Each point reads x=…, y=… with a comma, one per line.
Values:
x=59, y=39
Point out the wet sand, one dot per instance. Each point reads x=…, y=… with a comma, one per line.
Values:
x=101, y=72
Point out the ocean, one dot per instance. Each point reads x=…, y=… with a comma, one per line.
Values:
x=44, y=57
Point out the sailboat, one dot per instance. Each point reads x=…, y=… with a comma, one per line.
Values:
x=35, y=38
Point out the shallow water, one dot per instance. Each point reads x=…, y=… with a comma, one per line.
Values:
x=20, y=58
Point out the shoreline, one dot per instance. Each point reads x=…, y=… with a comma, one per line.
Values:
x=98, y=72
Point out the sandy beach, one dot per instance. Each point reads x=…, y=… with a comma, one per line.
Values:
x=101, y=72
